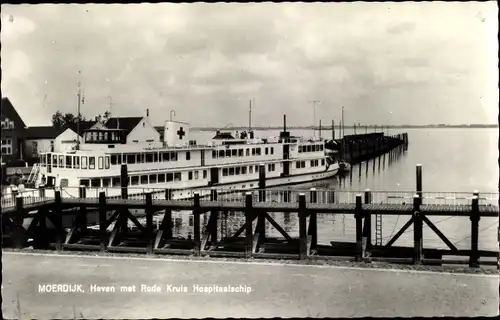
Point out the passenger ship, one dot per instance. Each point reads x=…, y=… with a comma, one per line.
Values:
x=177, y=163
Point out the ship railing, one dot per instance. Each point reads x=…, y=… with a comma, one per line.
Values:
x=30, y=196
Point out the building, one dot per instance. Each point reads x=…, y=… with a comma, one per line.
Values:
x=67, y=138
x=138, y=129
x=13, y=135
x=39, y=140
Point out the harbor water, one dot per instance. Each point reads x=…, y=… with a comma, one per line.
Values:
x=453, y=160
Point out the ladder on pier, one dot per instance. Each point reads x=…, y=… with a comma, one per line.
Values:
x=378, y=230
x=34, y=173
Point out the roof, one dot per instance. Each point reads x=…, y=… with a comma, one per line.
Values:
x=223, y=135
x=8, y=111
x=82, y=126
x=127, y=123
x=44, y=132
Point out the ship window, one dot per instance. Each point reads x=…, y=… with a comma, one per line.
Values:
x=196, y=175
x=84, y=162
x=68, y=162
x=106, y=182
x=131, y=158
x=61, y=161
x=84, y=182
x=297, y=164
x=149, y=157
x=76, y=162
x=91, y=162
x=243, y=170
x=190, y=175
x=221, y=153
x=312, y=163
x=240, y=152
x=214, y=154
x=49, y=159
x=267, y=150
x=303, y=164
x=250, y=169
x=247, y=152
x=257, y=151
x=140, y=158
x=54, y=161
x=166, y=156
x=256, y=168
x=188, y=155
x=116, y=182
x=152, y=178
x=228, y=153
x=224, y=172
x=144, y=179
x=300, y=149
x=173, y=156
x=272, y=150
x=322, y=162
x=204, y=174
x=134, y=180
x=161, y=178
x=177, y=176
x=309, y=148
x=155, y=157
x=100, y=163
x=238, y=170
x=234, y=152
x=274, y=167
x=106, y=162
x=269, y=167
x=96, y=183
x=231, y=171
x=119, y=159
x=321, y=147
x=170, y=177
x=253, y=151
x=113, y=159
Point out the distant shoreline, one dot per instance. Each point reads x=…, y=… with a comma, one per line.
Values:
x=479, y=126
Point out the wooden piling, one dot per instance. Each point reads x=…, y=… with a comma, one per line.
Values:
x=367, y=228
x=57, y=219
x=122, y=218
x=358, y=215
x=102, y=220
x=82, y=194
x=302, y=227
x=214, y=215
x=313, y=221
x=419, y=181
x=167, y=218
x=248, y=225
x=417, y=231
x=149, y=222
x=261, y=220
x=18, y=236
x=196, y=224
x=474, y=218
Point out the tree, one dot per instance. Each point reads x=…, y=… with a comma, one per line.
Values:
x=60, y=120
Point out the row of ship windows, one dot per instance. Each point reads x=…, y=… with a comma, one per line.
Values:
x=313, y=163
x=143, y=179
x=75, y=162
x=311, y=148
x=149, y=157
x=239, y=152
x=243, y=170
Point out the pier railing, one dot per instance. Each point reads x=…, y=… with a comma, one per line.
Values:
x=322, y=196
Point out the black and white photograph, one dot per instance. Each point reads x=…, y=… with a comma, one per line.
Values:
x=250, y=160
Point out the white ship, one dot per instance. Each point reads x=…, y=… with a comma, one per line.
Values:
x=227, y=162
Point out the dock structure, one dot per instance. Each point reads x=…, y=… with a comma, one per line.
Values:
x=62, y=223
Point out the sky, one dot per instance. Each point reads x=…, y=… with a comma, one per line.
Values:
x=385, y=63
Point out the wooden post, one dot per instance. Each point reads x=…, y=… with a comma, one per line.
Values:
x=367, y=232
x=358, y=215
x=215, y=216
x=82, y=194
x=419, y=181
x=57, y=219
x=474, y=218
x=262, y=183
x=19, y=230
x=149, y=221
x=248, y=225
x=168, y=216
x=313, y=220
x=122, y=220
x=196, y=224
x=102, y=220
x=417, y=231
x=302, y=227
x=41, y=191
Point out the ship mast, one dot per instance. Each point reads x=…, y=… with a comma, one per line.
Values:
x=78, y=115
x=250, y=117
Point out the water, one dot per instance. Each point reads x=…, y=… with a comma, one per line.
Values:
x=460, y=160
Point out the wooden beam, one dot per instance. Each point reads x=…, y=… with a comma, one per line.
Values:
x=248, y=224
x=102, y=221
x=149, y=221
x=440, y=234
x=303, y=253
x=278, y=227
x=417, y=231
x=474, y=240
x=359, y=228
x=400, y=232
x=196, y=224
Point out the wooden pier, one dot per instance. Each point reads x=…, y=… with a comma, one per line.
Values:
x=114, y=234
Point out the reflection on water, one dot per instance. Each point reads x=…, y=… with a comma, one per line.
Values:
x=395, y=171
